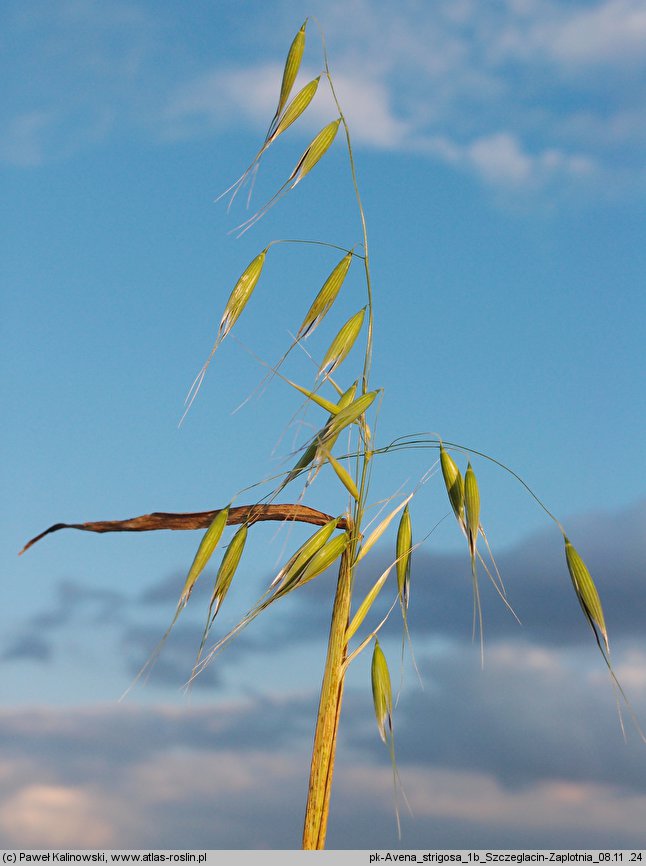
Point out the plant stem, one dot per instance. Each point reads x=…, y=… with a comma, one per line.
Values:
x=327, y=722
x=362, y=216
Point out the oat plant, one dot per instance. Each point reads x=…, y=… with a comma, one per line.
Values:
x=346, y=403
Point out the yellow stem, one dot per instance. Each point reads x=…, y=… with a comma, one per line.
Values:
x=327, y=723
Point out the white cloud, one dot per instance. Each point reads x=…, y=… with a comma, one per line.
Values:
x=500, y=159
x=222, y=97
x=234, y=775
x=37, y=137
x=559, y=804
x=600, y=35
x=128, y=789
x=54, y=816
x=631, y=672
x=521, y=93
x=374, y=122
x=79, y=69
x=501, y=87
x=612, y=33
x=22, y=142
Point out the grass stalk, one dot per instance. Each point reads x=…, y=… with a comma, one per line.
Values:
x=327, y=722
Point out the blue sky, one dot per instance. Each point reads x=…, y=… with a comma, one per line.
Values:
x=500, y=151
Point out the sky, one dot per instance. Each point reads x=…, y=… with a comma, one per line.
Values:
x=500, y=157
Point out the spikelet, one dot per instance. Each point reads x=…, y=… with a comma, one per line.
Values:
x=304, y=461
x=332, y=408
x=472, y=508
x=383, y=702
x=228, y=567
x=241, y=294
x=207, y=546
x=295, y=108
x=315, y=151
x=342, y=344
x=226, y=571
x=324, y=558
x=326, y=297
x=586, y=591
x=366, y=604
x=235, y=305
x=343, y=475
x=293, y=111
x=296, y=563
x=317, y=148
x=299, y=574
x=292, y=65
x=382, y=695
x=403, y=553
x=352, y=413
x=376, y=534
x=313, y=449
x=454, y=484
x=471, y=528
x=347, y=416
x=348, y=396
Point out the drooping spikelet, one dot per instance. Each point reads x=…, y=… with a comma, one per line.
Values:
x=227, y=569
x=342, y=344
x=326, y=297
x=290, y=71
x=240, y=295
x=296, y=107
x=472, y=509
x=586, y=591
x=317, y=148
x=297, y=562
x=454, y=484
x=208, y=544
x=403, y=553
x=382, y=695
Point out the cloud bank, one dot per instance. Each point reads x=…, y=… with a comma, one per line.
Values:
x=526, y=752
x=524, y=95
